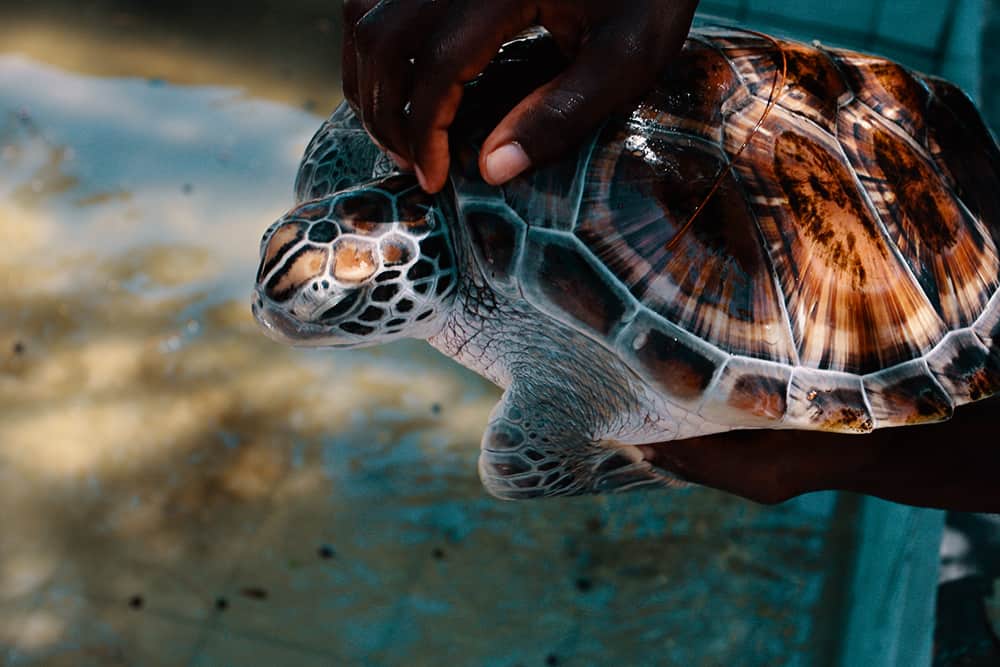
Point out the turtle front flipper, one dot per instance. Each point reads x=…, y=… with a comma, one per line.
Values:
x=533, y=448
x=341, y=155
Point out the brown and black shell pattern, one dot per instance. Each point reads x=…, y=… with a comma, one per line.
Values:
x=840, y=268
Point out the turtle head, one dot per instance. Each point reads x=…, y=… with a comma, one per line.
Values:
x=361, y=267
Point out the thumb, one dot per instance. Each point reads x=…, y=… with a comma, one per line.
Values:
x=558, y=115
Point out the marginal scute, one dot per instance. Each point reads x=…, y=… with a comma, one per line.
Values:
x=907, y=394
x=965, y=367
x=828, y=401
x=749, y=392
x=496, y=239
x=642, y=188
x=988, y=326
x=672, y=359
x=558, y=273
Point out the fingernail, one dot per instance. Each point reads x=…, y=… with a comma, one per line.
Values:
x=505, y=163
x=400, y=161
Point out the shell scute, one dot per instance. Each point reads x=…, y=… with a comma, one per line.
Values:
x=966, y=367
x=557, y=273
x=852, y=303
x=953, y=257
x=907, y=394
x=888, y=88
x=965, y=152
x=798, y=78
x=749, y=392
x=550, y=195
x=680, y=364
x=827, y=401
x=641, y=190
x=497, y=237
x=814, y=87
x=696, y=91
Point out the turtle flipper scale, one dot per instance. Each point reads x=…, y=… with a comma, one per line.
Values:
x=528, y=452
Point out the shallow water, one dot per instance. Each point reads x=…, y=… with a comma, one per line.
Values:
x=176, y=489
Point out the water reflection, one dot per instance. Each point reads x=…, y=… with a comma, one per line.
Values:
x=179, y=490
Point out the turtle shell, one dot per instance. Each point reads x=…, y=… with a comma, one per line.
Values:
x=777, y=235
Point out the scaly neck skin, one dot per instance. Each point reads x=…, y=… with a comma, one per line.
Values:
x=471, y=330
x=510, y=343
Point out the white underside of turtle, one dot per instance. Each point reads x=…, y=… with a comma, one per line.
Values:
x=794, y=238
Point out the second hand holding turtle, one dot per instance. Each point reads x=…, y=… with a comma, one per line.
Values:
x=419, y=53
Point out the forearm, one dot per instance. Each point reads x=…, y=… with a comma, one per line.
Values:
x=953, y=465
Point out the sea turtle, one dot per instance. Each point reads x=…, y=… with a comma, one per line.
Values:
x=779, y=235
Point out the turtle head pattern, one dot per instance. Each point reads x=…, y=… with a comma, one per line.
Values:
x=361, y=267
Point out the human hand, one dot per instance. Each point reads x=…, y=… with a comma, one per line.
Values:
x=951, y=465
x=421, y=52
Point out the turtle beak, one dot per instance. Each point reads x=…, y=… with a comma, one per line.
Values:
x=281, y=328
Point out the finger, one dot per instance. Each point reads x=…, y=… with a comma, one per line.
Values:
x=353, y=11
x=386, y=39
x=558, y=115
x=463, y=45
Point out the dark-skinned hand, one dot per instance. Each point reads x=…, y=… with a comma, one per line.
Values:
x=951, y=465
x=421, y=52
